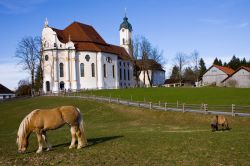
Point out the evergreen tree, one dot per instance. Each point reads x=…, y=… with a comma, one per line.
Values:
x=220, y=62
x=234, y=63
x=202, y=67
x=175, y=73
x=225, y=64
x=216, y=61
x=243, y=62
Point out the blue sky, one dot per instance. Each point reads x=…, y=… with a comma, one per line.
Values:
x=216, y=28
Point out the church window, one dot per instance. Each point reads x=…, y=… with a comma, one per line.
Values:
x=87, y=57
x=104, y=71
x=120, y=74
x=113, y=71
x=55, y=45
x=46, y=57
x=128, y=64
x=123, y=41
x=124, y=74
x=61, y=45
x=61, y=69
x=128, y=75
x=61, y=85
x=124, y=64
x=47, y=86
x=120, y=63
x=82, y=69
x=93, y=69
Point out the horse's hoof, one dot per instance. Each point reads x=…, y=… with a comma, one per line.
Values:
x=72, y=146
x=39, y=151
x=48, y=149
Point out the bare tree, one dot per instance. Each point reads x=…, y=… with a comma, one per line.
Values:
x=195, y=58
x=181, y=62
x=28, y=53
x=143, y=51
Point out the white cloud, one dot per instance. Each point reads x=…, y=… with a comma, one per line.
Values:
x=11, y=74
x=213, y=21
x=238, y=26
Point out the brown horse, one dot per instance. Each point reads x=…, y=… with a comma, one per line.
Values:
x=219, y=120
x=41, y=120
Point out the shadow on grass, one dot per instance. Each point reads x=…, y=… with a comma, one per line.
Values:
x=92, y=141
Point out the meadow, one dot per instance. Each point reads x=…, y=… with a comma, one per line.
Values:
x=208, y=95
x=121, y=135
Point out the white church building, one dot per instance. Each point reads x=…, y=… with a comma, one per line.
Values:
x=77, y=57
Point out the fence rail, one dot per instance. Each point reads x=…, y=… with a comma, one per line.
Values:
x=233, y=110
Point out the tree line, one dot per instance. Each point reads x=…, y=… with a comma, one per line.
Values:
x=234, y=63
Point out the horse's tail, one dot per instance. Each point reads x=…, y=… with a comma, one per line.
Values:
x=81, y=127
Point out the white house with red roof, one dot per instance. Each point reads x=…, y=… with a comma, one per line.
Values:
x=77, y=57
x=215, y=75
x=240, y=78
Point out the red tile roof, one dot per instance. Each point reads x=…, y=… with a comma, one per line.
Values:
x=242, y=67
x=86, y=38
x=226, y=70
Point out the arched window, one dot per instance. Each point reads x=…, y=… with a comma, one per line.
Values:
x=61, y=70
x=104, y=71
x=47, y=86
x=113, y=71
x=93, y=69
x=128, y=75
x=82, y=69
x=123, y=41
x=124, y=74
x=120, y=74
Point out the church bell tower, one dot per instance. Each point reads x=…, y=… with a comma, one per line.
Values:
x=126, y=35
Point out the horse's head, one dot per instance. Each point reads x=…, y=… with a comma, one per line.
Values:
x=22, y=143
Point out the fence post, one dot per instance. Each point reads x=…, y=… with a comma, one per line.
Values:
x=205, y=108
x=150, y=105
x=165, y=106
x=233, y=109
x=118, y=100
x=183, y=107
x=159, y=103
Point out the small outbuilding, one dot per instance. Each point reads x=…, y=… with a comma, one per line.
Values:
x=6, y=93
x=240, y=78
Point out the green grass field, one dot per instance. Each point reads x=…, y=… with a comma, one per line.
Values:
x=121, y=135
x=208, y=95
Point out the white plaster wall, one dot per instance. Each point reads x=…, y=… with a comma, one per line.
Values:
x=242, y=79
x=88, y=82
x=214, y=75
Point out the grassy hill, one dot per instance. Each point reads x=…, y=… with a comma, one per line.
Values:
x=208, y=95
x=120, y=135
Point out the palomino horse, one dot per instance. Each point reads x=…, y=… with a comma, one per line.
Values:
x=219, y=120
x=41, y=120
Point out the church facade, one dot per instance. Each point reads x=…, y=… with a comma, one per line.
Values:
x=77, y=57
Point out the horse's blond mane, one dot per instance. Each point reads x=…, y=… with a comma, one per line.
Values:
x=22, y=131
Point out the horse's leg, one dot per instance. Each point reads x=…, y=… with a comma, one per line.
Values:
x=73, y=134
x=40, y=142
x=48, y=145
x=81, y=138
